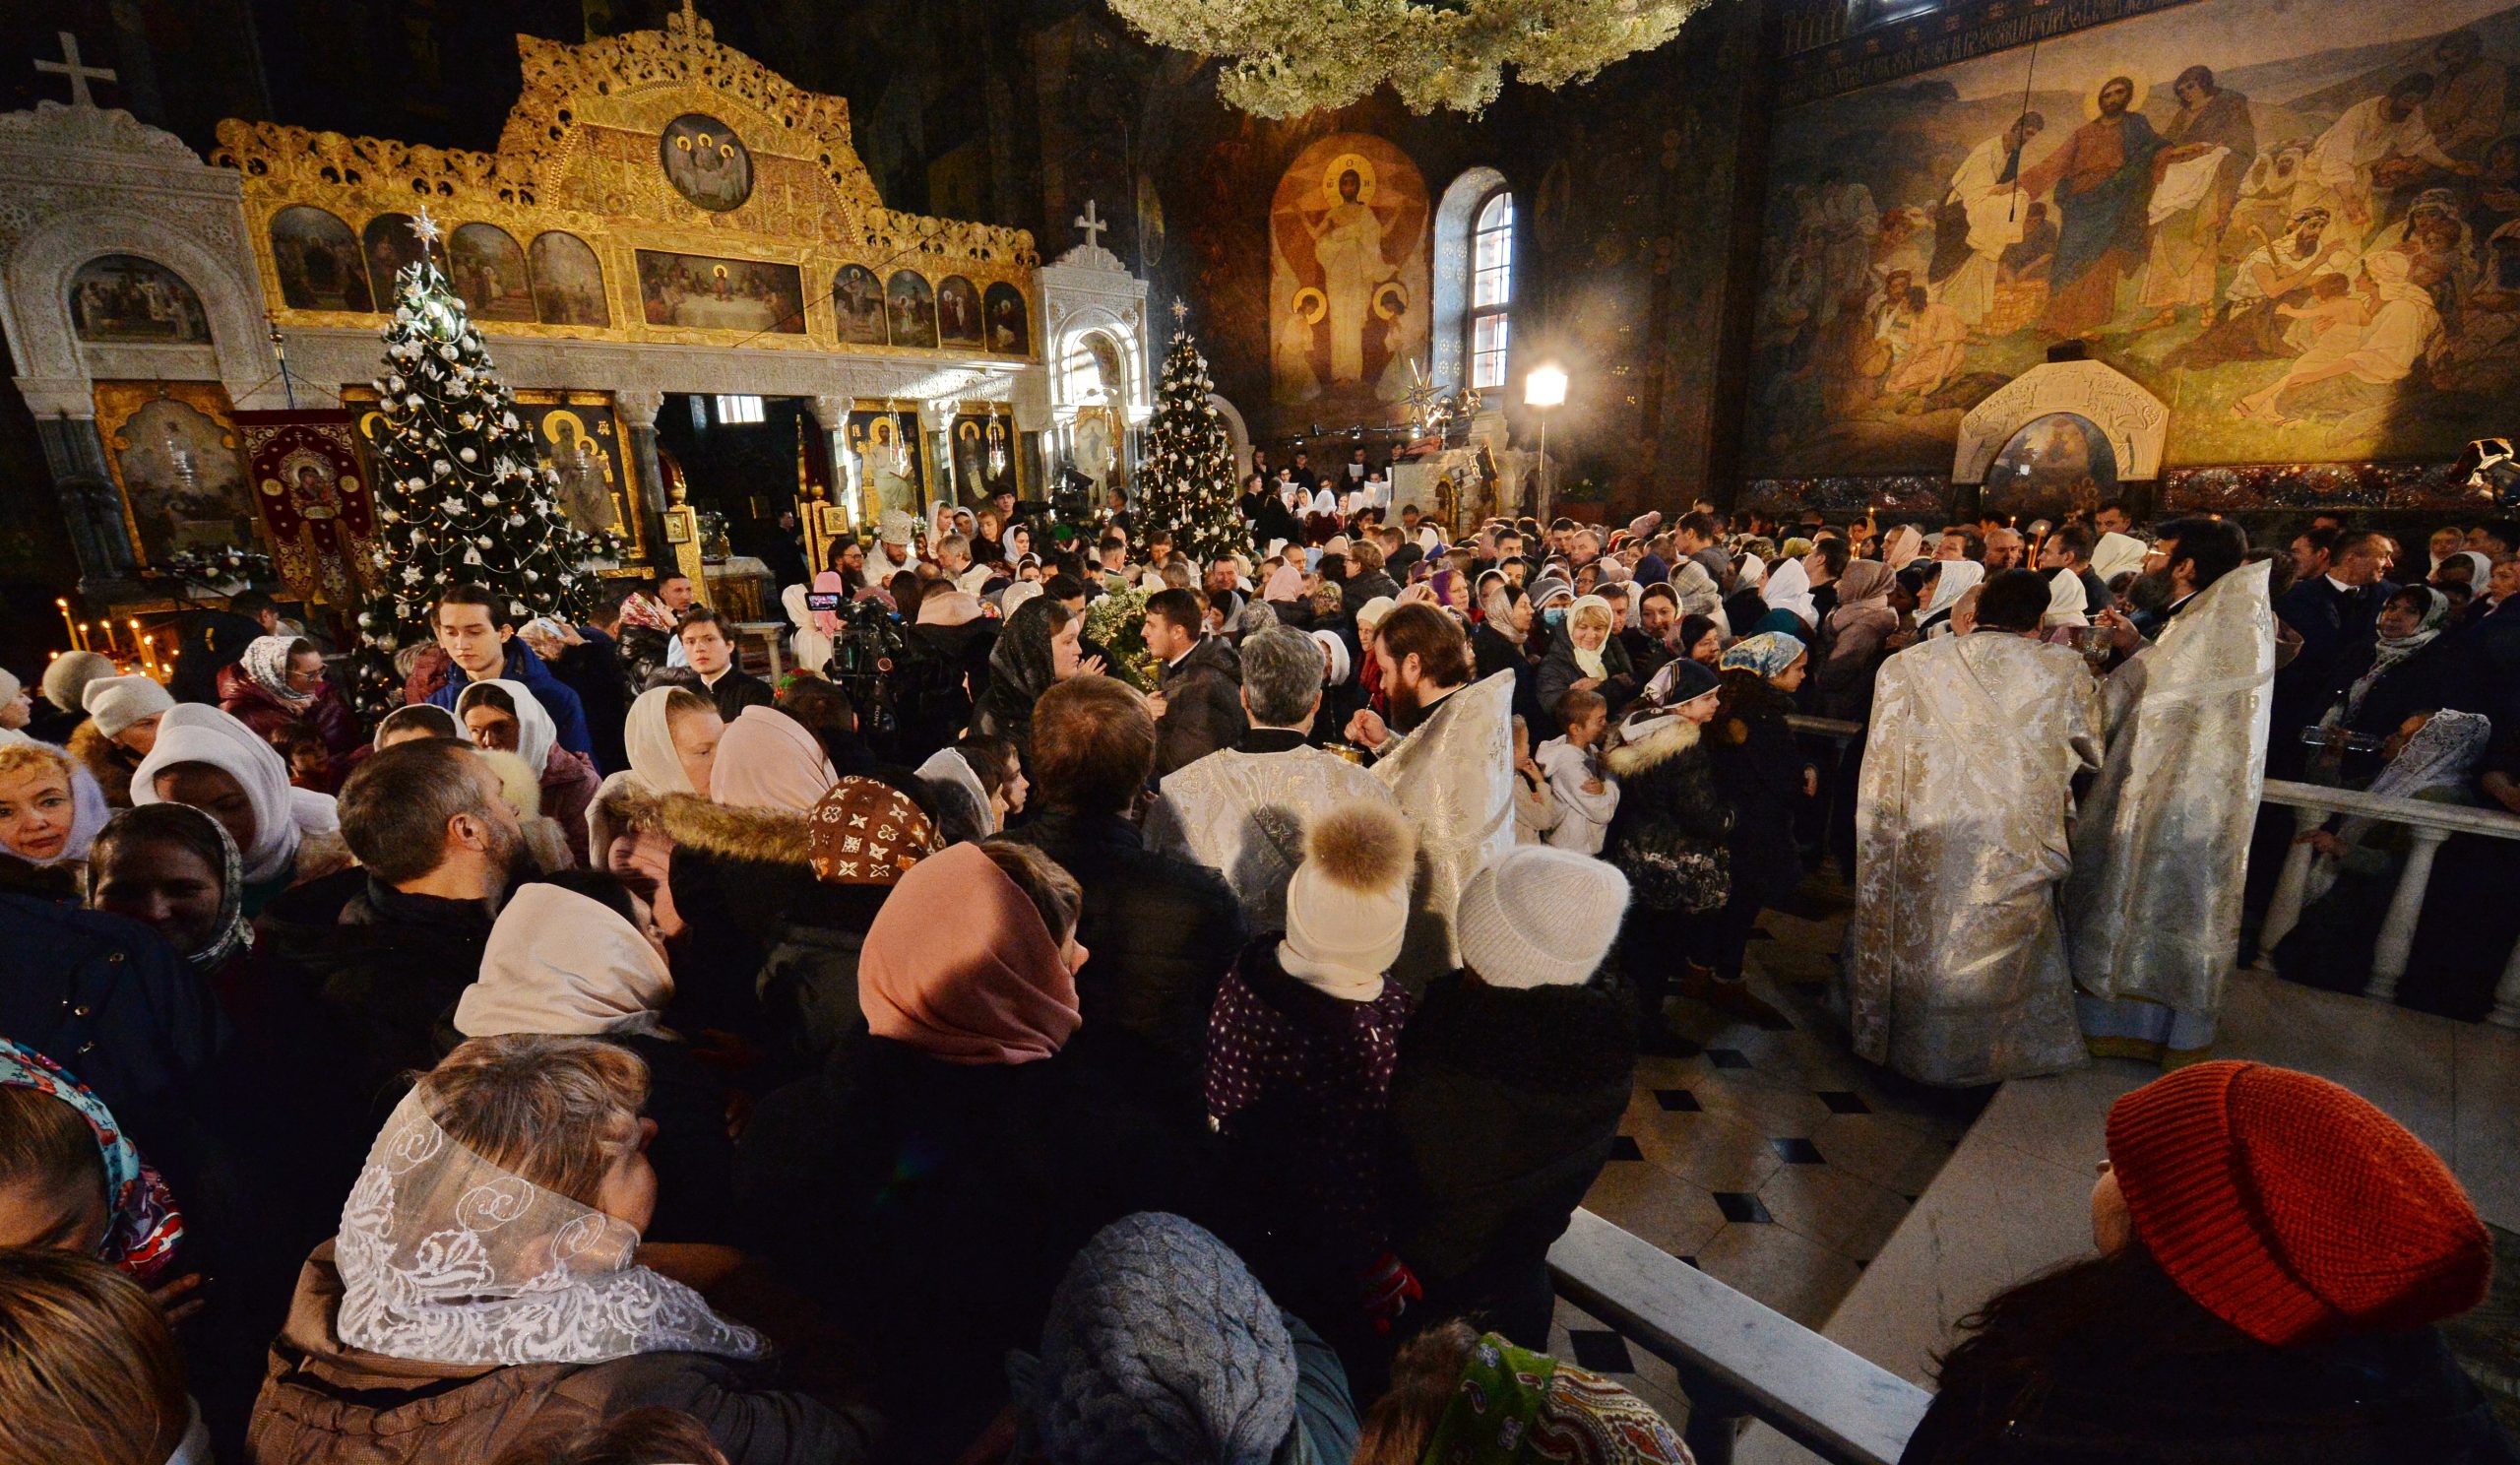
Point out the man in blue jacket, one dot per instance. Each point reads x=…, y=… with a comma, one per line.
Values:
x=476, y=632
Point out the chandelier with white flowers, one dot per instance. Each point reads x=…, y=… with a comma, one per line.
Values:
x=1284, y=58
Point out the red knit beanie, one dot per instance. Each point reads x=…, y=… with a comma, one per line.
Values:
x=2291, y=1208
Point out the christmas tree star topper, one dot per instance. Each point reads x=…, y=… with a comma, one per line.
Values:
x=425, y=229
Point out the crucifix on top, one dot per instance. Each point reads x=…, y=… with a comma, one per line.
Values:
x=80, y=76
x=1092, y=225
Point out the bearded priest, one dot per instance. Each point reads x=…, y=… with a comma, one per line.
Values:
x=1956, y=969
x=2153, y=906
x=1448, y=757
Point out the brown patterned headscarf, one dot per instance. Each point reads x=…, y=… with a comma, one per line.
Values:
x=867, y=832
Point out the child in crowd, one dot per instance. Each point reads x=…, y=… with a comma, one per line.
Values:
x=1536, y=810
x=1300, y=1045
x=1586, y=795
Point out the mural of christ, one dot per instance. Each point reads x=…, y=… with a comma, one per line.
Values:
x=1348, y=244
x=2104, y=182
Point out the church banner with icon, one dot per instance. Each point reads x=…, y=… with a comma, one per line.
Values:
x=311, y=492
x=985, y=455
x=886, y=440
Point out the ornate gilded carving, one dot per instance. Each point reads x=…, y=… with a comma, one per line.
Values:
x=580, y=153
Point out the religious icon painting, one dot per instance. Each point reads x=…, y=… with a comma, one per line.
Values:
x=1350, y=217
x=713, y=293
x=858, y=306
x=2055, y=462
x=957, y=312
x=178, y=463
x=124, y=297
x=319, y=262
x=488, y=273
x=706, y=162
x=912, y=306
x=568, y=281
x=389, y=246
x=1010, y=322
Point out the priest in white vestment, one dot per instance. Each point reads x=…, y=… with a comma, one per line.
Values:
x=2153, y=906
x=1242, y=810
x=1450, y=761
x=1956, y=967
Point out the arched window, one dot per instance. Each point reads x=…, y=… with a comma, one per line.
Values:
x=1491, y=289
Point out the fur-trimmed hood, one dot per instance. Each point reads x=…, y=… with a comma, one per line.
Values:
x=728, y=832
x=1667, y=741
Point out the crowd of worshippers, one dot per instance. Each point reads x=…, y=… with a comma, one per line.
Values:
x=608, y=1055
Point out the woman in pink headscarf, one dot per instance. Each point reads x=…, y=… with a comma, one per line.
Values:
x=767, y=759
x=973, y=1143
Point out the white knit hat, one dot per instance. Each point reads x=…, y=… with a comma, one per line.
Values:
x=1539, y=916
x=1348, y=903
x=114, y=703
x=69, y=675
x=1372, y=612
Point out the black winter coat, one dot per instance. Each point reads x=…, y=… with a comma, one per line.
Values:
x=1160, y=932
x=108, y=1000
x=1667, y=785
x=1492, y=651
x=1504, y=1107
x=384, y=969
x=943, y=670
x=2442, y=675
x=2375, y=1400
x=1364, y=586
x=1759, y=769
x=1203, y=705
x=932, y=1207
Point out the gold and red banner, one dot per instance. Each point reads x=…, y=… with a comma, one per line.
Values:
x=310, y=486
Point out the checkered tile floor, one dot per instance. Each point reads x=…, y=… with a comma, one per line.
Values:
x=1771, y=1158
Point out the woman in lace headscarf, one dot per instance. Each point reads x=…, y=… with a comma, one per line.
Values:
x=1037, y=647
x=485, y=1282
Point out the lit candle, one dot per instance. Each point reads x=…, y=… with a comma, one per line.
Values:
x=70, y=625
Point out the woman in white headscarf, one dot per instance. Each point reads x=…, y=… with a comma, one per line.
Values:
x=564, y=963
x=2067, y=603
x=1584, y=653
x=672, y=735
x=503, y=715
x=207, y=759
x=50, y=813
x=2116, y=555
x=487, y=1282
x=1956, y=578
x=1789, y=589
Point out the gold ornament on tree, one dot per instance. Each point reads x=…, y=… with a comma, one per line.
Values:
x=1290, y=57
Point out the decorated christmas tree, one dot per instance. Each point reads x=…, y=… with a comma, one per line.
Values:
x=1186, y=481
x=460, y=496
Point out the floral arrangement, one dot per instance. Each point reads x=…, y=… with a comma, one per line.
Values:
x=214, y=568
x=1296, y=56
x=1117, y=623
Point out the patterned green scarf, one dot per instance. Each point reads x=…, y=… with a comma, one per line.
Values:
x=1516, y=1407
